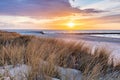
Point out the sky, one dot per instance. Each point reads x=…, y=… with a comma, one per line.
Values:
x=56, y=14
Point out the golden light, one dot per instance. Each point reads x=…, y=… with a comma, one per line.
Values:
x=71, y=24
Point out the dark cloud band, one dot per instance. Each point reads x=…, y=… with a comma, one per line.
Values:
x=40, y=8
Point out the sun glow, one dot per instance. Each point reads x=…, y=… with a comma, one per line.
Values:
x=71, y=24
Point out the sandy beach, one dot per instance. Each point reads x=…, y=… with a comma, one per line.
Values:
x=112, y=45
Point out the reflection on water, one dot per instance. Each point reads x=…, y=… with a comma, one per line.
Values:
x=107, y=35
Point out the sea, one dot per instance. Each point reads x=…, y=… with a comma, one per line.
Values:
x=98, y=33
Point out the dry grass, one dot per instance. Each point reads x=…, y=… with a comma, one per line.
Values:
x=31, y=50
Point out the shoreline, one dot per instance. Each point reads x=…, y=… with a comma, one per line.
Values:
x=82, y=37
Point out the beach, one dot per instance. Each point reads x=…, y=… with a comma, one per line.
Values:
x=92, y=40
x=112, y=45
x=57, y=56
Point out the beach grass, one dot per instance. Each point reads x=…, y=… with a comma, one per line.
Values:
x=45, y=55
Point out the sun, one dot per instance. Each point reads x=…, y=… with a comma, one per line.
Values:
x=71, y=24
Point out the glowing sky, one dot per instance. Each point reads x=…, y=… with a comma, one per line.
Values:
x=56, y=14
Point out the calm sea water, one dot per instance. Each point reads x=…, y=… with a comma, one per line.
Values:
x=105, y=33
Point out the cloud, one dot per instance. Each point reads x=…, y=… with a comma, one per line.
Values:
x=91, y=10
x=101, y=20
x=103, y=4
x=5, y=25
x=36, y=8
x=41, y=8
x=114, y=0
x=111, y=18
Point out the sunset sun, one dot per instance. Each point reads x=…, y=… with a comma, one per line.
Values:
x=71, y=24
